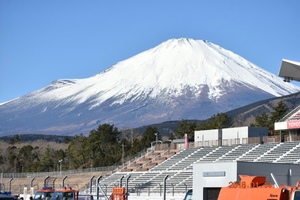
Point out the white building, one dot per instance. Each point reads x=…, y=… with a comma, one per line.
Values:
x=229, y=136
x=290, y=70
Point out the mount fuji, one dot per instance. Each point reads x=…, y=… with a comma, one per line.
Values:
x=178, y=79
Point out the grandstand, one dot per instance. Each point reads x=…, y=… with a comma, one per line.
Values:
x=179, y=167
x=167, y=161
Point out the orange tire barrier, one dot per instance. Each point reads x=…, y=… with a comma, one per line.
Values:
x=118, y=194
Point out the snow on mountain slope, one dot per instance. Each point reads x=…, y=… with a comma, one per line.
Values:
x=180, y=78
x=171, y=66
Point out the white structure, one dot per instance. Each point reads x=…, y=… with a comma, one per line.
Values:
x=290, y=70
x=208, y=178
x=228, y=136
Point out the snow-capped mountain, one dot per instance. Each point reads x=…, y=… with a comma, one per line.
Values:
x=178, y=79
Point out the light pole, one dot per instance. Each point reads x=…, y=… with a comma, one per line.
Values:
x=156, y=139
x=122, y=153
x=60, y=166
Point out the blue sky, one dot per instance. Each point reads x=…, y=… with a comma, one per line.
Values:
x=42, y=41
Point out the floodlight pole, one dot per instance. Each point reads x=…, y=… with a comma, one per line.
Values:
x=60, y=166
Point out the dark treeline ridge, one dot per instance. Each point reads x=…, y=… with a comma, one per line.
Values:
x=35, y=137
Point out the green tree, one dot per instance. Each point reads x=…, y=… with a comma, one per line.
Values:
x=11, y=153
x=172, y=136
x=103, y=145
x=186, y=127
x=149, y=137
x=136, y=147
x=279, y=112
x=221, y=120
x=262, y=120
x=47, y=162
x=24, y=157
x=218, y=121
x=77, y=152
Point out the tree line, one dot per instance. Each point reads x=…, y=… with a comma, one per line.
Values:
x=104, y=146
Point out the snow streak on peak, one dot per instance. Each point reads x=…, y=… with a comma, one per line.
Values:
x=170, y=67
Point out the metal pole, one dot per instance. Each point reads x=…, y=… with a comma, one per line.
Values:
x=45, y=183
x=60, y=166
x=53, y=182
x=91, y=184
x=127, y=181
x=290, y=177
x=123, y=154
x=120, y=183
x=10, y=184
x=165, y=186
x=31, y=182
x=1, y=181
x=63, y=181
x=97, y=186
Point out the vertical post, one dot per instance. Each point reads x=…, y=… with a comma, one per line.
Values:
x=91, y=184
x=60, y=166
x=10, y=184
x=31, y=187
x=31, y=182
x=186, y=141
x=159, y=189
x=63, y=181
x=53, y=182
x=123, y=154
x=127, y=182
x=290, y=177
x=45, y=181
x=97, y=186
x=1, y=182
x=280, y=136
x=131, y=138
x=165, y=187
x=120, y=183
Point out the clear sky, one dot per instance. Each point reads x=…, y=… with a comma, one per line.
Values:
x=42, y=41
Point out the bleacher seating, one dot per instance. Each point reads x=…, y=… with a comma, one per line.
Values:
x=178, y=167
x=277, y=151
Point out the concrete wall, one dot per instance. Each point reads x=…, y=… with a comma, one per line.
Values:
x=200, y=136
x=217, y=175
x=257, y=131
x=280, y=171
x=237, y=132
x=212, y=175
x=227, y=135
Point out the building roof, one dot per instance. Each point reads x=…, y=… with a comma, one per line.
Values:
x=290, y=70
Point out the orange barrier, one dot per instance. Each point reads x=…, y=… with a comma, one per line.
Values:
x=256, y=188
x=118, y=194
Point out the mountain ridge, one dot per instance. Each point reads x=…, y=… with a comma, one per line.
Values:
x=180, y=78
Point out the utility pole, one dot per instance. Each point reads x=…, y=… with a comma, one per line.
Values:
x=60, y=166
x=156, y=138
x=122, y=153
x=131, y=138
